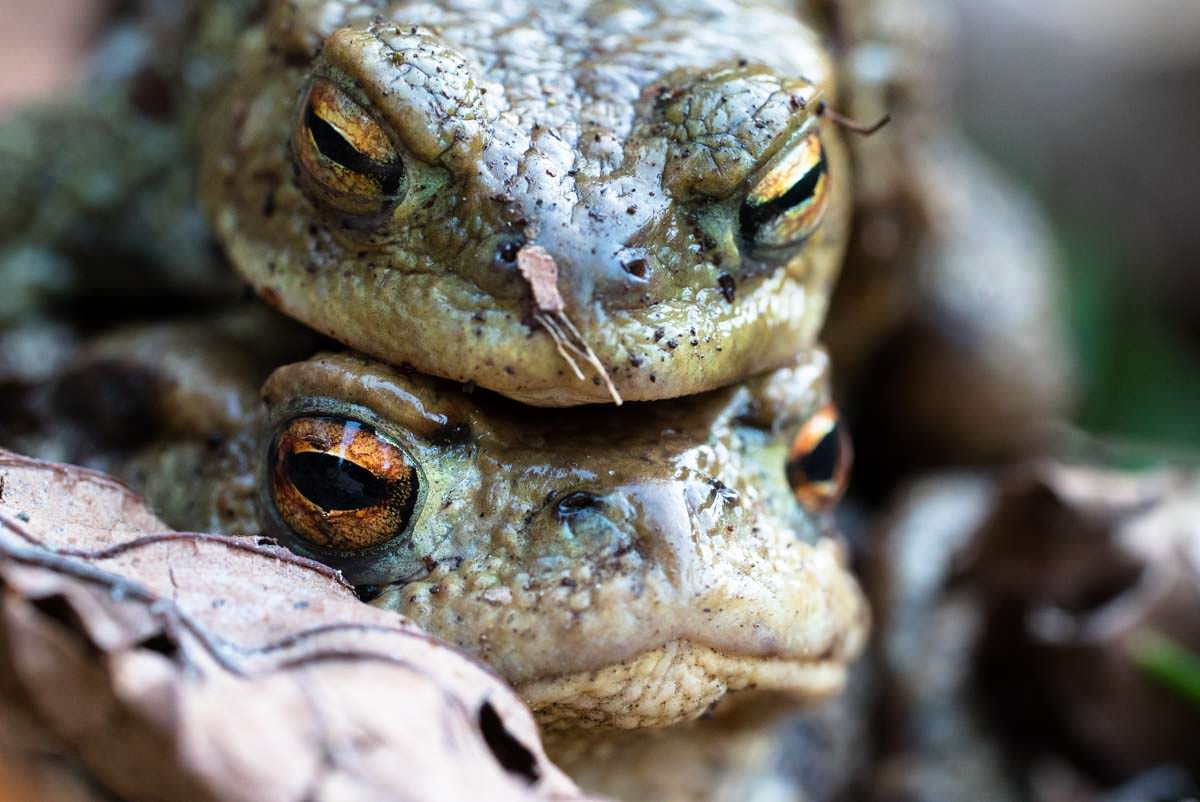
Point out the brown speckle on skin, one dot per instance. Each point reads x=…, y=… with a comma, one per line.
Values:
x=728, y=287
x=270, y=295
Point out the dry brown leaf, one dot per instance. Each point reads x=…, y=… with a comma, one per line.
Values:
x=31, y=777
x=541, y=271
x=177, y=666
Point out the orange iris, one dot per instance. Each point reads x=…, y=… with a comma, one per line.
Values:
x=340, y=485
x=818, y=466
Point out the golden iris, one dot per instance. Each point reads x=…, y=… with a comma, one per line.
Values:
x=787, y=204
x=340, y=485
x=818, y=465
x=346, y=159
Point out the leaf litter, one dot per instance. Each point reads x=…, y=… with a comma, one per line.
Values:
x=161, y=665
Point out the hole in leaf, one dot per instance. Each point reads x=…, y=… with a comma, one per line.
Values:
x=368, y=593
x=58, y=608
x=161, y=643
x=512, y=755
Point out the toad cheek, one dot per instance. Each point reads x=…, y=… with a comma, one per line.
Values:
x=646, y=605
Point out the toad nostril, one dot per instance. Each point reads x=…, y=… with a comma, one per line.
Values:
x=638, y=268
x=572, y=504
x=506, y=252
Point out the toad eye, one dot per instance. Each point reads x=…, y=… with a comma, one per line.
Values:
x=340, y=485
x=786, y=205
x=818, y=466
x=346, y=160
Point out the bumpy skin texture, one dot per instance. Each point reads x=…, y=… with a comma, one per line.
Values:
x=686, y=571
x=620, y=138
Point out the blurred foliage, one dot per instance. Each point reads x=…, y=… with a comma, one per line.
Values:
x=1169, y=663
x=1139, y=382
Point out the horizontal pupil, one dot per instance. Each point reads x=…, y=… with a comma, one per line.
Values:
x=752, y=216
x=332, y=144
x=820, y=464
x=334, y=147
x=333, y=483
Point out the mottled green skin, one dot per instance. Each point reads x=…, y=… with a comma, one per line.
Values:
x=607, y=133
x=595, y=557
x=688, y=570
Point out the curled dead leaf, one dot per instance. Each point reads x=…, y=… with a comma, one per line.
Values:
x=177, y=666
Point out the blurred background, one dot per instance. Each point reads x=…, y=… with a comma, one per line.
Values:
x=1095, y=106
x=45, y=47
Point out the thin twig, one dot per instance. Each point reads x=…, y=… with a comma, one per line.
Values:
x=852, y=125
